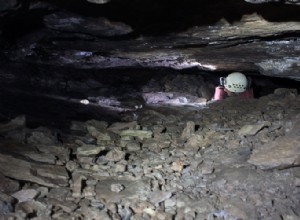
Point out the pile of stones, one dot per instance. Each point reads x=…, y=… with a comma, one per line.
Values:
x=235, y=159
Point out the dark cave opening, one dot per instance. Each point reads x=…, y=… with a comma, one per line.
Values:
x=55, y=100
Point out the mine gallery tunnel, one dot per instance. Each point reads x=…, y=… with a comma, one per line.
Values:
x=108, y=109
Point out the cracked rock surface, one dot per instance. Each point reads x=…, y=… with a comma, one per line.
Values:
x=210, y=36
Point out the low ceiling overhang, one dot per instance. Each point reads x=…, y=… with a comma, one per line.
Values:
x=251, y=44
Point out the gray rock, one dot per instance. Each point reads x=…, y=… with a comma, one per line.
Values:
x=98, y=1
x=137, y=133
x=89, y=150
x=77, y=185
x=94, y=213
x=252, y=129
x=58, y=194
x=66, y=206
x=47, y=175
x=62, y=153
x=5, y=208
x=7, y=198
x=285, y=92
x=282, y=153
x=159, y=196
x=44, y=137
x=117, y=187
x=8, y=185
x=188, y=131
x=189, y=204
x=72, y=165
x=87, y=25
x=40, y=157
x=134, y=189
x=115, y=155
x=89, y=191
x=39, y=209
x=119, y=126
x=133, y=146
x=25, y=195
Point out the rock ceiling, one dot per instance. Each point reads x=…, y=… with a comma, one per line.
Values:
x=252, y=36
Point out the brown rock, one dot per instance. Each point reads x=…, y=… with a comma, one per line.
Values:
x=282, y=153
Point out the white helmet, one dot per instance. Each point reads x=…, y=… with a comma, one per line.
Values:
x=236, y=82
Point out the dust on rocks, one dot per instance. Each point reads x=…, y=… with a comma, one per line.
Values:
x=234, y=159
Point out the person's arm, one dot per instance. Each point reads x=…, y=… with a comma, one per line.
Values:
x=248, y=94
x=219, y=93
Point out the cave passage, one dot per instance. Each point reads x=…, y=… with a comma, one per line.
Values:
x=52, y=99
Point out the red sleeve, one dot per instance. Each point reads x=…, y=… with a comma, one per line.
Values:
x=248, y=94
x=219, y=93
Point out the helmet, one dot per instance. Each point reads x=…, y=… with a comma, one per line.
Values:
x=236, y=82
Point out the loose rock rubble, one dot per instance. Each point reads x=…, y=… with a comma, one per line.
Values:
x=235, y=159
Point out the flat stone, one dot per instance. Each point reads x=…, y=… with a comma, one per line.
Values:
x=89, y=150
x=119, y=126
x=67, y=206
x=58, y=194
x=89, y=25
x=57, y=174
x=282, y=153
x=133, y=189
x=61, y=152
x=40, y=157
x=137, y=133
x=98, y=1
x=103, y=136
x=47, y=175
x=252, y=129
x=199, y=205
x=133, y=146
x=25, y=195
x=94, y=213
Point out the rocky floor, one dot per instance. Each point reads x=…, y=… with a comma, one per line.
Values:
x=228, y=160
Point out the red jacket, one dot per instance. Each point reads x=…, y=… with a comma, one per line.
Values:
x=221, y=94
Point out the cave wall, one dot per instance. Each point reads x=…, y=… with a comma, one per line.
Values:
x=255, y=37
